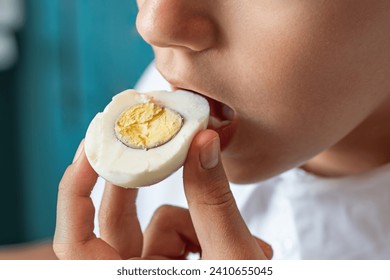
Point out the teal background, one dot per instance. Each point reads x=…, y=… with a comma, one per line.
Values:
x=74, y=55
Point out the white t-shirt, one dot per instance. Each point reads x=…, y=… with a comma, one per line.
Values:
x=301, y=215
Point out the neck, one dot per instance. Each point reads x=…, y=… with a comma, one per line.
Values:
x=365, y=148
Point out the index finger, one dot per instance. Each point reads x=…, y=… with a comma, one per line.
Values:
x=74, y=237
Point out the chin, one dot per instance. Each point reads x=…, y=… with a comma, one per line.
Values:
x=240, y=172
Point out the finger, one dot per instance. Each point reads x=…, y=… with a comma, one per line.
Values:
x=119, y=225
x=221, y=231
x=74, y=237
x=170, y=234
x=75, y=211
x=267, y=249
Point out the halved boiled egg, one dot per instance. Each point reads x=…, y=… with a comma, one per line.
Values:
x=140, y=139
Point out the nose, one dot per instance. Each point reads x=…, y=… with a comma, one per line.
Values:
x=177, y=23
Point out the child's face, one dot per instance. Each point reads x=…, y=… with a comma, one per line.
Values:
x=299, y=74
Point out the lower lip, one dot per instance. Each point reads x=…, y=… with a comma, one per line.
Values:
x=226, y=134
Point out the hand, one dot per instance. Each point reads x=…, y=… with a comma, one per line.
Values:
x=121, y=236
x=213, y=225
x=171, y=234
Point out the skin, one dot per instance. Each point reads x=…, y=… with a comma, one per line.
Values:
x=309, y=85
x=304, y=77
x=212, y=209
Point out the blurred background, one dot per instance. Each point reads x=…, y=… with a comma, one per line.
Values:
x=60, y=63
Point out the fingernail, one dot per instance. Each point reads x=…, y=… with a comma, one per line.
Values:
x=79, y=151
x=209, y=154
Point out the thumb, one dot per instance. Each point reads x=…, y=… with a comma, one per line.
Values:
x=221, y=230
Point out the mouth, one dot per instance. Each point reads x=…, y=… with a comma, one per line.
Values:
x=222, y=119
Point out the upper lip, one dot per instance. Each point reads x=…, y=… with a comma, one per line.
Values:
x=177, y=84
x=215, y=103
x=211, y=100
x=216, y=107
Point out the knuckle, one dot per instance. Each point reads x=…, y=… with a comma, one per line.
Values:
x=65, y=181
x=216, y=195
x=70, y=251
x=217, y=198
x=62, y=251
x=163, y=215
x=164, y=211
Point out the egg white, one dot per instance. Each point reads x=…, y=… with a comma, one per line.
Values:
x=133, y=168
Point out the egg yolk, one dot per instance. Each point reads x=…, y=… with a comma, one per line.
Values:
x=147, y=125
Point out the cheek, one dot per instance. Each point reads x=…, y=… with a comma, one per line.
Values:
x=313, y=74
x=307, y=81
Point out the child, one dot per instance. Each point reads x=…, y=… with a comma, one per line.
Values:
x=298, y=83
